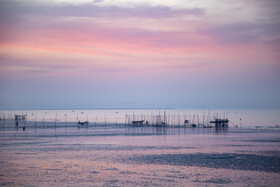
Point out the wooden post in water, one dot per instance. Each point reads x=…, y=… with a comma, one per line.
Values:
x=65, y=120
x=125, y=119
x=55, y=120
x=35, y=119
x=198, y=124
x=95, y=120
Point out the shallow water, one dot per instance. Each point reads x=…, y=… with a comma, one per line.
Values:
x=241, y=118
x=118, y=155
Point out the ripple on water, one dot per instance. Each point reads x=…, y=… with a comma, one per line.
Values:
x=111, y=169
x=229, y=161
x=215, y=181
x=53, y=169
x=6, y=183
x=94, y=172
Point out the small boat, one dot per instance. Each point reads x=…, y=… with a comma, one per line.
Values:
x=137, y=122
x=83, y=123
x=193, y=125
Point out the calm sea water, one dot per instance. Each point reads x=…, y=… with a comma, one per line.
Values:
x=119, y=155
x=241, y=118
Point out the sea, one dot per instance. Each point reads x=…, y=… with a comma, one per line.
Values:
x=50, y=148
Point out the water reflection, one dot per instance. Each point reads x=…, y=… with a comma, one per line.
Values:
x=61, y=129
x=119, y=155
x=221, y=130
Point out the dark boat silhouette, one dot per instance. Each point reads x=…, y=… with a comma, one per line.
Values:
x=141, y=122
x=83, y=123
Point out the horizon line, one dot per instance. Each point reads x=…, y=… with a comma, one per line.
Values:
x=148, y=108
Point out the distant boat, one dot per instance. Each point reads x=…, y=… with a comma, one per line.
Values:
x=83, y=123
x=276, y=126
x=193, y=125
x=137, y=122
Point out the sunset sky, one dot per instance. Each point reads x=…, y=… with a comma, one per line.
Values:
x=63, y=54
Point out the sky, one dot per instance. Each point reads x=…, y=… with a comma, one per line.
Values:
x=201, y=54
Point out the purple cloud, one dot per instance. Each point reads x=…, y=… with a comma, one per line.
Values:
x=244, y=33
x=10, y=8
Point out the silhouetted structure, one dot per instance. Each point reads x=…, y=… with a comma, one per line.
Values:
x=137, y=122
x=20, y=117
x=220, y=122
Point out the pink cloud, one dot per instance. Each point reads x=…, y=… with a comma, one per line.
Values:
x=65, y=46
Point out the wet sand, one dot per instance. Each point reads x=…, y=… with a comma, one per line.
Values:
x=138, y=156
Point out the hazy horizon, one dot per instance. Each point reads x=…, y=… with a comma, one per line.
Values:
x=139, y=108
